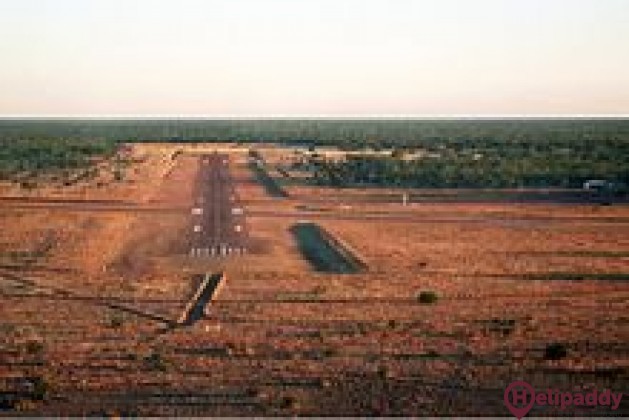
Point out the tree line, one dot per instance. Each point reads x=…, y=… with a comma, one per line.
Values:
x=467, y=172
x=35, y=155
x=471, y=153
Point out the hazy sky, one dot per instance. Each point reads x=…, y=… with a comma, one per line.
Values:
x=314, y=56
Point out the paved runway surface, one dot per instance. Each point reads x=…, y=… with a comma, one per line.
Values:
x=218, y=222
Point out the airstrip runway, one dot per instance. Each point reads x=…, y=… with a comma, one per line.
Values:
x=217, y=219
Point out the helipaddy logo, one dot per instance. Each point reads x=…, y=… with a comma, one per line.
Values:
x=520, y=397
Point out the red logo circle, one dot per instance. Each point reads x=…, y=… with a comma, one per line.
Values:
x=519, y=398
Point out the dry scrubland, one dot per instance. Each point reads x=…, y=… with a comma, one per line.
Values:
x=89, y=289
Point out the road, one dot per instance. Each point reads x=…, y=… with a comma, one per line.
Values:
x=217, y=219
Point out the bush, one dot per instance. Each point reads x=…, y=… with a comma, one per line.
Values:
x=287, y=402
x=34, y=347
x=427, y=297
x=42, y=153
x=116, y=321
x=154, y=361
x=502, y=326
x=40, y=388
x=555, y=351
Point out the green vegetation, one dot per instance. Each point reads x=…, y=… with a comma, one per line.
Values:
x=28, y=156
x=40, y=388
x=555, y=351
x=577, y=276
x=592, y=135
x=34, y=347
x=270, y=185
x=424, y=153
x=500, y=325
x=116, y=320
x=427, y=297
x=155, y=361
x=315, y=294
x=287, y=402
x=492, y=170
x=585, y=254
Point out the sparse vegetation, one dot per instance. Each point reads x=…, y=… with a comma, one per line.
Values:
x=40, y=388
x=445, y=307
x=23, y=155
x=310, y=295
x=7, y=328
x=427, y=297
x=577, y=276
x=287, y=402
x=431, y=354
x=555, y=351
x=116, y=320
x=270, y=185
x=503, y=326
x=34, y=347
x=155, y=361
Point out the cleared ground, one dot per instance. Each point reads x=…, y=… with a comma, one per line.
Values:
x=90, y=292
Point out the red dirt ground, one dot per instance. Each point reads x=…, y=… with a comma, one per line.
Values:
x=88, y=296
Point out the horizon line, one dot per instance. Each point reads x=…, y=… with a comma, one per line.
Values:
x=243, y=117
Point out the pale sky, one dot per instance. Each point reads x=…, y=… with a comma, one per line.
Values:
x=333, y=57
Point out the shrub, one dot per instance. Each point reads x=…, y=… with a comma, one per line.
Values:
x=432, y=354
x=40, y=388
x=555, y=351
x=427, y=297
x=34, y=347
x=503, y=326
x=287, y=402
x=154, y=361
x=116, y=321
